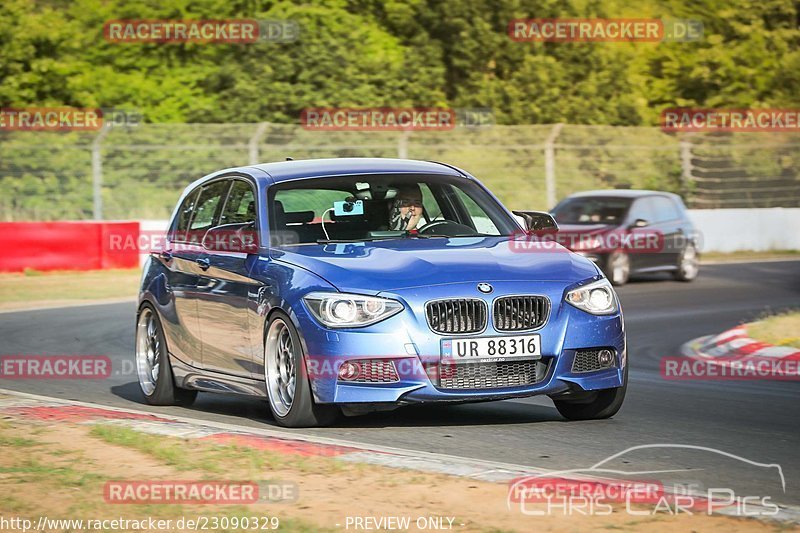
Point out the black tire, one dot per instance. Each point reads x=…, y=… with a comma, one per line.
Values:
x=688, y=264
x=618, y=268
x=303, y=411
x=597, y=406
x=165, y=391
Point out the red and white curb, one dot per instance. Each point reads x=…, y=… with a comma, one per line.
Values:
x=44, y=408
x=734, y=348
x=14, y=404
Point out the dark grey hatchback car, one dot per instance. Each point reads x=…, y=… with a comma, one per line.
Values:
x=627, y=232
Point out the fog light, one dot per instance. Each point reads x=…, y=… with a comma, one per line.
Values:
x=349, y=371
x=605, y=357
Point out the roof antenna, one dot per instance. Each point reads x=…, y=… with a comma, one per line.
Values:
x=290, y=159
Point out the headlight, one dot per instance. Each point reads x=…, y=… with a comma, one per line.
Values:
x=339, y=310
x=597, y=298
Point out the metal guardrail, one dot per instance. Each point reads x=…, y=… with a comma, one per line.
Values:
x=138, y=172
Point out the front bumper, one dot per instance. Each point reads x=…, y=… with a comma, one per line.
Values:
x=407, y=340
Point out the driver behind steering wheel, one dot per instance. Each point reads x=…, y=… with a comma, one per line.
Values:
x=406, y=209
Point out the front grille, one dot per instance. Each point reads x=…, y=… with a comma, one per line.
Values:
x=375, y=371
x=462, y=315
x=587, y=361
x=487, y=375
x=517, y=313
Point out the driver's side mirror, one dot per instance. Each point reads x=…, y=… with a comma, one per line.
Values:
x=232, y=238
x=639, y=223
x=538, y=221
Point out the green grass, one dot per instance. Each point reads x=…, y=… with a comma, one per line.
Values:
x=20, y=442
x=214, y=459
x=33, y=286
x=31, y=470
x=164, y=450
x=780, y=330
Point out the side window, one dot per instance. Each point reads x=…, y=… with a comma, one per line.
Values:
x=665, y=209
x=482, y=223
x=184, y=215
x=643, y=209
x=240, y=207
x=208, y=206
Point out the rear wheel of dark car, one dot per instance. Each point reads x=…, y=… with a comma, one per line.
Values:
x=618, y=268
x=152, y=363
x=688, y=264
x=288, y=388
x=596, y=405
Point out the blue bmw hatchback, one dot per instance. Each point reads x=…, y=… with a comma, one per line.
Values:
x=354, y=285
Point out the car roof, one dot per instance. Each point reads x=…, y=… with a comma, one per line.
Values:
x=622, y=193
x=311, y=168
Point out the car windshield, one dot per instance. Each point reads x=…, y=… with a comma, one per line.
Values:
x=385, y=206
x=592, y=210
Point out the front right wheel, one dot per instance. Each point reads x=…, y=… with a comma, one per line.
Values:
x=288, y=389
x=688, y=264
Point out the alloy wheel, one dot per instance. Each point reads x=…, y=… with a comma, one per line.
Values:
x=149, y=351
x=279, y=367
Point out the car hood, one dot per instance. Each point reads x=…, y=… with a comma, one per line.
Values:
x=405, y=263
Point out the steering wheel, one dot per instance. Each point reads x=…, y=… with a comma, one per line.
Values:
x=447, y=228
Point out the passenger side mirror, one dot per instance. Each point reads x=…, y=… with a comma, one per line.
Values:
x=538, y=221
x=241, y=238
x=639, y=223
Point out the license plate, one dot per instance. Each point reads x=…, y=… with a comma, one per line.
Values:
x=490, y=349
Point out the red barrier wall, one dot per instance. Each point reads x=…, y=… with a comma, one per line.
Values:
x=65, y=246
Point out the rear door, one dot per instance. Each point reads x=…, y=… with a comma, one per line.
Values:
x=179, y=259
x=188, y=256
x=225, y=289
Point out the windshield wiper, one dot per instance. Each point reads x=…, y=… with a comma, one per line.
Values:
x=440, y=236
x=346, y=241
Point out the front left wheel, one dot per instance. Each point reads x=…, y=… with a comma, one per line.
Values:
x=152, y=363
x=618, y=268
x=288, y=389
x=596, y=405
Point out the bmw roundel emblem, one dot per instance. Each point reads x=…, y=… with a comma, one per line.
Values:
x=485, y=288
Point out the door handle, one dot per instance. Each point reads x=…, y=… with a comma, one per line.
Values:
x=204, y=263
x=166, y=255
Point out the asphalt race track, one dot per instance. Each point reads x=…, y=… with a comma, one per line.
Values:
x=757, y=420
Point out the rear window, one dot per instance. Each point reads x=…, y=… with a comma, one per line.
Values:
x=592, y=210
